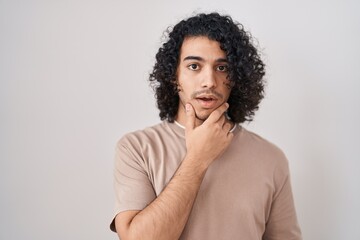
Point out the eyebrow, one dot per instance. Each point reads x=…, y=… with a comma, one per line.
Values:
x=202, y=59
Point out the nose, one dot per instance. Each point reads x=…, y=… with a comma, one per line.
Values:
x=208, y=78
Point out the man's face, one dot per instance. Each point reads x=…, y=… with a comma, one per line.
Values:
x=202, y=77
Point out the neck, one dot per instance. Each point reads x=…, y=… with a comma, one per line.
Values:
x=233, y=125
x=180, y=119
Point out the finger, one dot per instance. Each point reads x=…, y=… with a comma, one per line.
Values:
x=230, y=136
x=227, y=127
x=190, y=117
x=218, y=113
x=222, y=120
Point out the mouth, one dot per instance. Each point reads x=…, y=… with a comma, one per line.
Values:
x=207, y=101
x=206, y=98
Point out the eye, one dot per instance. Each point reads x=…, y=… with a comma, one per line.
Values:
x=193, y=67
x=222, y=68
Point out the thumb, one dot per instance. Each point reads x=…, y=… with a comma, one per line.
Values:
x=190, y=117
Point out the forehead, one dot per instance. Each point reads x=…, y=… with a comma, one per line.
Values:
x=201, y=46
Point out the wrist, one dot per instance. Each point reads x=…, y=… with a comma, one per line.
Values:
x=196, y=163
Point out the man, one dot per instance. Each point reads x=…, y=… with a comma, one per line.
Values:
x=199, y=174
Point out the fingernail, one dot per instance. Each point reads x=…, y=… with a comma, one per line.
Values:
x=227, y=105
x=187, y=107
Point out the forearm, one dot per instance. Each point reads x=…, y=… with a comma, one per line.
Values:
x=166, y=216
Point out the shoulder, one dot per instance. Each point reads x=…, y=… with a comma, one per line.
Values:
x=268, y=158
x=260, y=142
x=263, y=148
x=144, y=136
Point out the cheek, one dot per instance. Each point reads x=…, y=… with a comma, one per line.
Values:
x=186, y=86
x=181, y=90
x=180, y=87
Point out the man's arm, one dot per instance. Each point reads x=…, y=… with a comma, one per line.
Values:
x=166, y=216
x=282, y=222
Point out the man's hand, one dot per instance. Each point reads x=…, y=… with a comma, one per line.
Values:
x=209, y=140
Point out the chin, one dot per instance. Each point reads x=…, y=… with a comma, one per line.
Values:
x=203, y=115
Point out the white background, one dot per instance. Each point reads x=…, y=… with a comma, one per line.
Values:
x=73, y=80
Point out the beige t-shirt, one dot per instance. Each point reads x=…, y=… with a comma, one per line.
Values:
x=245, y=194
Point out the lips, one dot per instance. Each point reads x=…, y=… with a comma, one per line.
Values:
x=206, y=98
x=207, y=101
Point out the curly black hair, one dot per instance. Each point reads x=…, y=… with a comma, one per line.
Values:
x=246, y=69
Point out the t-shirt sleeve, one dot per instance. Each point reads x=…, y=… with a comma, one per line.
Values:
x=133, y=189
x=282, y=222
